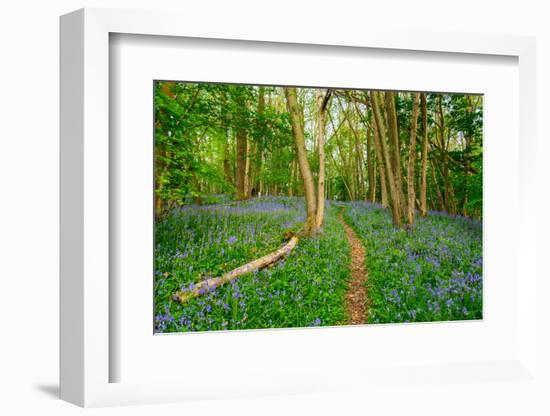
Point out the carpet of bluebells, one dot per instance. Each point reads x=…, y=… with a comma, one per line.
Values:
x=431, y=274
x=197, y=242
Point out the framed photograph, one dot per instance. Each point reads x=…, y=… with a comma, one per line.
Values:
x=286, y=213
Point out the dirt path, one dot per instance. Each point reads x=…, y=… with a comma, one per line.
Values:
x=356, y=297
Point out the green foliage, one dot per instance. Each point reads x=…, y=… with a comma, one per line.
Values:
x=431, y=274
x=195, y=126
x=306, y=289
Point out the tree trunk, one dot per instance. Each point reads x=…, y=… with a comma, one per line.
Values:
x=370, y=167
x=226, y=163
x=380, y=164
x=424, y=179
x=160, y=171
x=447, y=186
x=357, y=163
x=440, y=198
x=360, y=163
x=352, y=169
x=240, y=163
x=412, y=153
x=322, y=99
x=251, y=168
x=371, y=174
x=208, y=285
x=393, y=135
x=299, y=141
x=395, y=199
x=255, y=149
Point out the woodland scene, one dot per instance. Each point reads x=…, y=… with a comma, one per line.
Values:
x=280, y=206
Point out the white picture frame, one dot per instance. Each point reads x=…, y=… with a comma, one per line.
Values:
x=85, y=213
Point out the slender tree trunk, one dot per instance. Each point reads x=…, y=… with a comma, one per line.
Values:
x=380, y=164
x=343, y=175
x=247, y=171
x=322, y=99
x=370, y=167
x=371, y=174
x=252, y=162
x=240, y=163
x=292, y=173
x=358, y=160
x=395, y=199
x=299, y=140
x=346, y=174
x=254, y=159
x=467, y=151
x=352, y=168
x=412, y=153
x=161, y=171
x=440, y=198
x=424, y=179
x=241, y=157
x=393, y=135
x=447, y=186
x=261, y=181
x=226, y=163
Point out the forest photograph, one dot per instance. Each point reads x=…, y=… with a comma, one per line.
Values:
x=289, y=207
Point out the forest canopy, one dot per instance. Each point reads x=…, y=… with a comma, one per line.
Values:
x=379, y=146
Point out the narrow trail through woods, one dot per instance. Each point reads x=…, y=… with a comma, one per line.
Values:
x=356, y=297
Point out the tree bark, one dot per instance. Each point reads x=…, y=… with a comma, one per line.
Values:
x=291, y=183
x=380, y=164
x=247, y=171
x=424, y=179
x=357, y=144
x=208, y=285
x=322, y=100
x=345, y=174
x=370, y=167
x=440, y=198
x=299, y=141
x=371, y=174
x=450, y=203
x=240, y=163
x=255, y=149
x=241, y=156
x=226, y=163
x=393, y=134
x=410, y=171
x=160, y=171
x=395, y=199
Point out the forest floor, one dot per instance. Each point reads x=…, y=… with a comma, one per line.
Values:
x=356, y=297
x=359, y=270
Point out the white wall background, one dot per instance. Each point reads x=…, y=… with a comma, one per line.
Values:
x=29, y=181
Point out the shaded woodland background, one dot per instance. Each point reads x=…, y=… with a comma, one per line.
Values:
x=405, y=150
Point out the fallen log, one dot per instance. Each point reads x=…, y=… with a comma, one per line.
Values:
x=208, y=285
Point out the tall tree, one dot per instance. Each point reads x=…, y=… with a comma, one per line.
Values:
x=412, y=156
x=424, y=166
x=227, y=170
x=389, y=166
x=241, y=156
x=393, y=135
x=299, y=140
x=448, y=194
x=380, y=164
x=371, y=196
x=322, y=101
